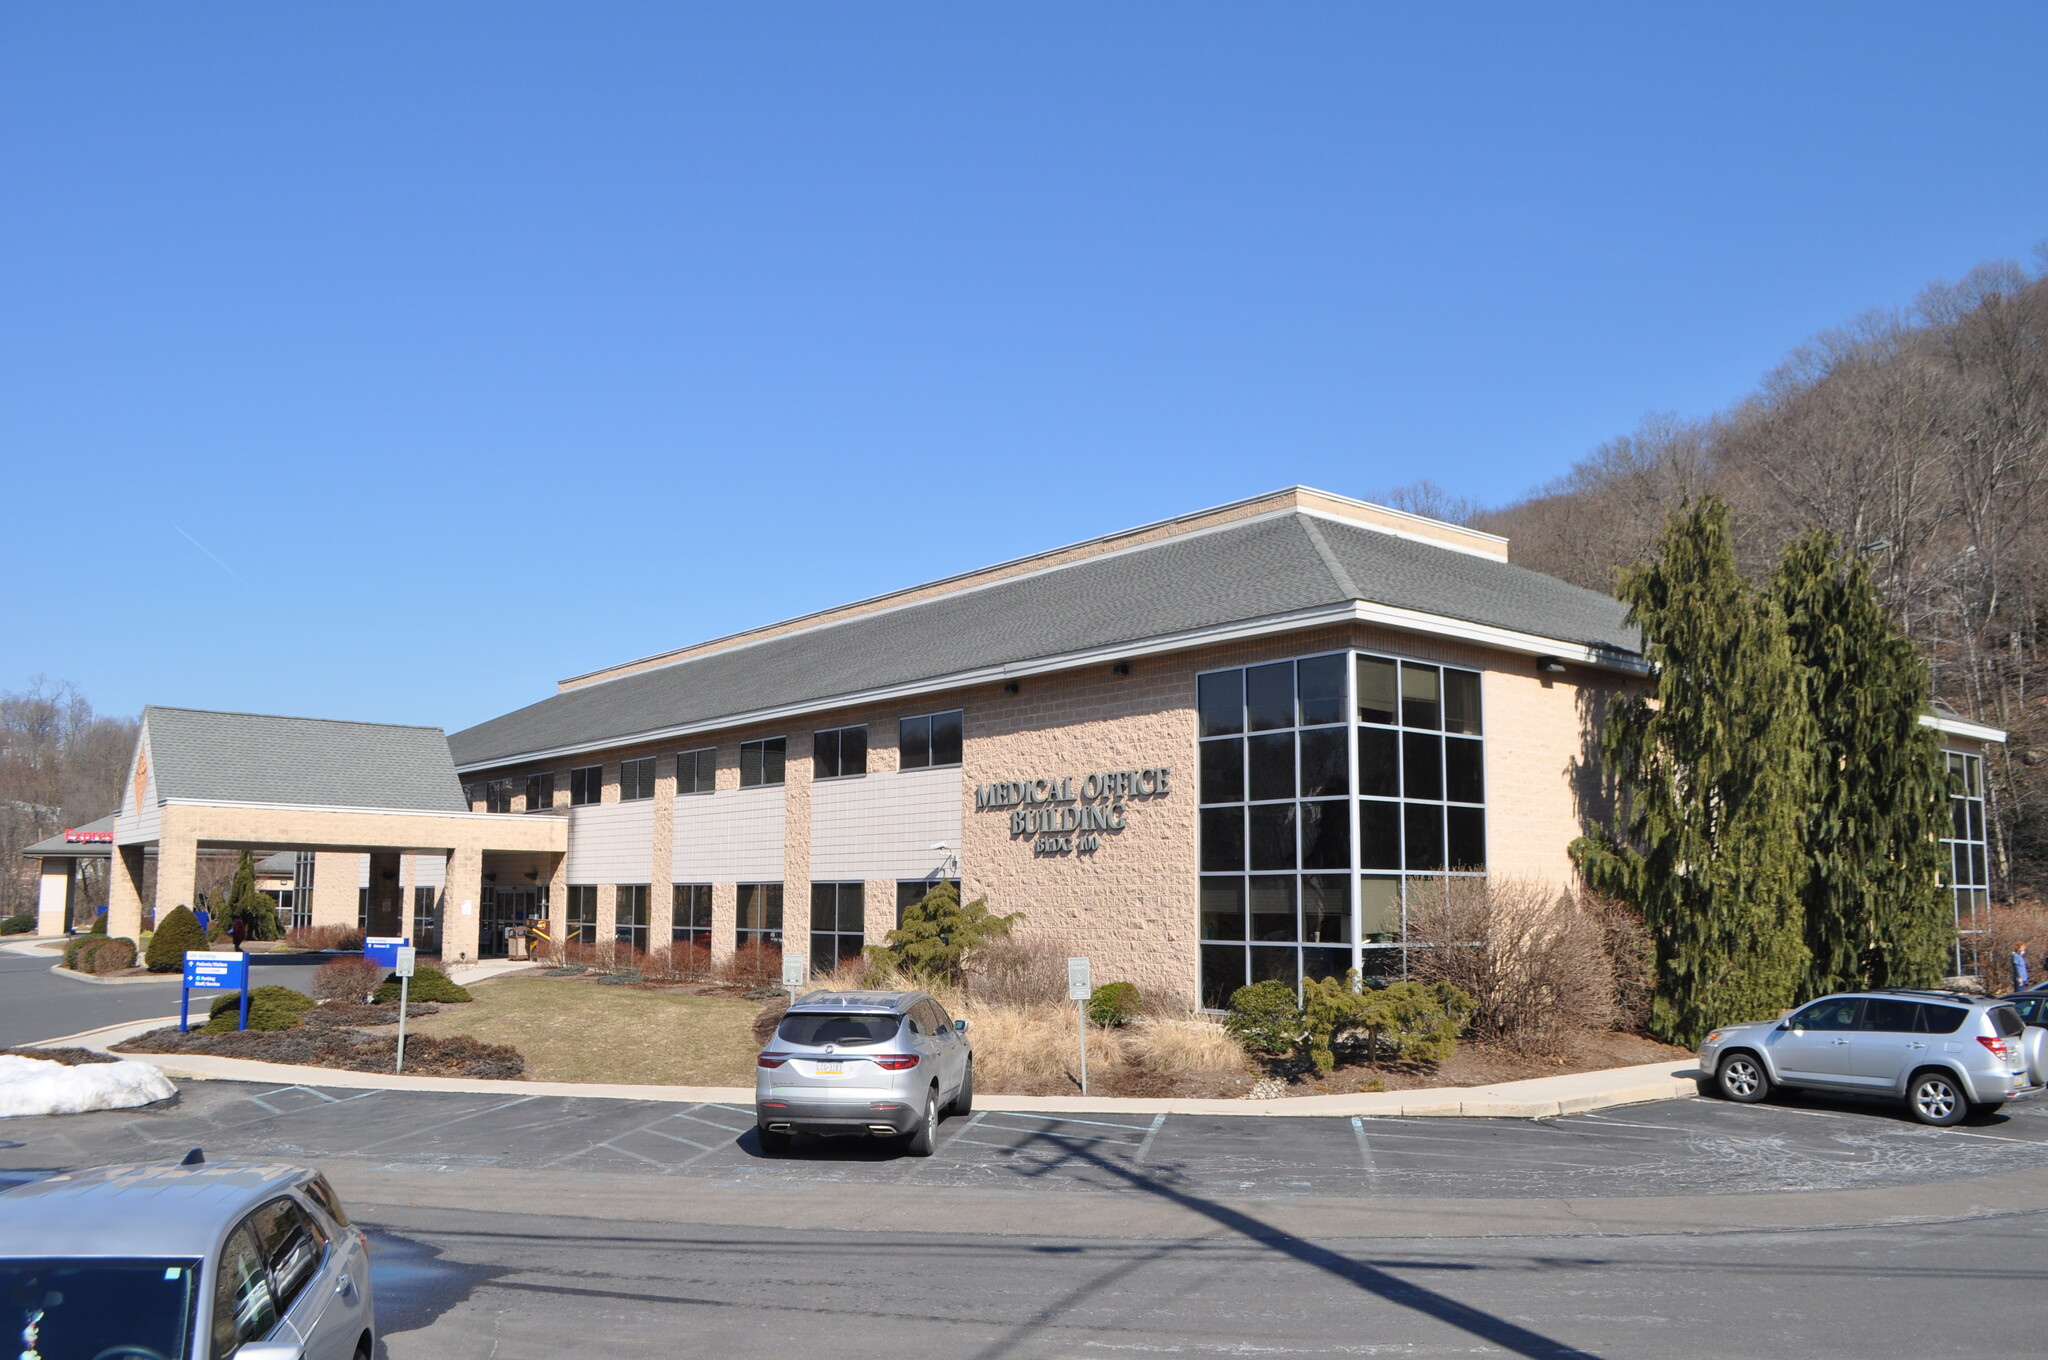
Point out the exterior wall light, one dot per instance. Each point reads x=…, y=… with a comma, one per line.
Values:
x=1550, y=665
x=1121, y=668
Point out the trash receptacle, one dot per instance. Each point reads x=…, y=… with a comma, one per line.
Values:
x=515, y=942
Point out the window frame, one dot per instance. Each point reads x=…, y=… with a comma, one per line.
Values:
x=838, y=758
x=586, y=780
x=631, y=898
x=637, y=779
x=838, y=935
x=540, y=791
x=772, y=903
x=928, y=762
x=579, y=921
x=763, y=749
x=703, y=772
x=686, y=899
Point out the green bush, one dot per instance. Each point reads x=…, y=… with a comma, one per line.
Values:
x=99, y=924
x=1113, y=1004
x=107, y=955
x=24, y=924
x=1408, y=1021
x=270, y=1008
x=938, y=933
x=1265, y=1017
x=428, y=984
x=176, y=933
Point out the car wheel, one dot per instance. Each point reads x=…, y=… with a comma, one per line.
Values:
x=964, y=1102
x=773, y=1144
x=927, y=1131
x=1741, y=1078
x=1935, y=1098
x=364, y=1348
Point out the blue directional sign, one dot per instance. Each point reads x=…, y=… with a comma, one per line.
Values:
x=382, y=950
x=213, y=971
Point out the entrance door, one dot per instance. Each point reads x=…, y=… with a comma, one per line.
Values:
x=503, y=908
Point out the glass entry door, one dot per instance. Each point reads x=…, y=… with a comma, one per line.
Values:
x=504, y=908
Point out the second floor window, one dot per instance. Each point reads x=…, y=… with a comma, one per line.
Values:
x=840, y=751
x=761, y=762
x=540, y=792
x=697, y=771
x=636, y=779
x=930, y=739
x=498, y=796
x=586, y=785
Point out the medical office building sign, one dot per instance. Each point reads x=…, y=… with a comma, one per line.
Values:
x=1069, y=815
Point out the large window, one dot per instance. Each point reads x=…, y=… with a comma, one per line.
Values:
x=586, y=785
x=540, y=792
x=761, y=762
x=630, y=915
x=498, y=795
x=697, y=771
x=636, y=779
x=1968, y=870
x=1336, y=791
x=690, y=922
x=929, y=739
x=426, y=921
x=582, y=927
x=759, y=917
x=911, y=891
x=838, y=924
x=839, y=751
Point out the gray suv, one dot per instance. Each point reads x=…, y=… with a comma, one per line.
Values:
x=874, y=1063
x=1946, y=1054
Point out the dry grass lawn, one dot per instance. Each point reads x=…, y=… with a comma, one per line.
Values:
x=571, y=1030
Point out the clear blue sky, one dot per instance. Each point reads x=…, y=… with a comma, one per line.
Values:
x=391, y=361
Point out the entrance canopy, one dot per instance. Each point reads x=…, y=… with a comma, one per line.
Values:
x=202, y=780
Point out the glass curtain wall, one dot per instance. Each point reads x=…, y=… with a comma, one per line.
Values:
x=1337, y=792
x=1968, y=870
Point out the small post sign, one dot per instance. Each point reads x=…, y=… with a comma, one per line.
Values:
x=794, y=971
x=1078, y=992
x=402, y=961
x=209, y=970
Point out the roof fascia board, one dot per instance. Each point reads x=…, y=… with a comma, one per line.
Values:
x=1387, y=529
x=1960, y=727
x=326, y=807
x=1349, y=611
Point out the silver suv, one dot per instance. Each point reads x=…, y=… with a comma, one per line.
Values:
x=1946, y=1054
x=887, y=1063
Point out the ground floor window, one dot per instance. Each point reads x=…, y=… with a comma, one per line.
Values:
x=759, y=917
x=582, y=926
x=363, y=910
x=838, y=924
x=690, y=922
x=630, y=913
x=302, y=888
x=910, y=891
x=426, y=921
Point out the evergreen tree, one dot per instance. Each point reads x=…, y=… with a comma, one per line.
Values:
x=1712, y=776
x=1875, y=913
x=244, y=903
x=938, y=933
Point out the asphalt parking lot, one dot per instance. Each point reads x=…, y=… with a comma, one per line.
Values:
x=1686, y=1147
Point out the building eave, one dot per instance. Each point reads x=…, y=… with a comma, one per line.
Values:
x=1959, y=727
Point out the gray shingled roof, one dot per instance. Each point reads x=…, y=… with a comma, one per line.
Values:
x=305, y=762
x=1256, y=569
x=57, y=845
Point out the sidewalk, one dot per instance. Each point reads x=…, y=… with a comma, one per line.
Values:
x=1538, y=1098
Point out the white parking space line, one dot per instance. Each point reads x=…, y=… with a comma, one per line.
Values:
x=696, y=1119
x=1068, y=1119
x=969, y=1123
x=1364, y=1146
x=1052, y=1133
x=1145, y=1148
x=429, y=1128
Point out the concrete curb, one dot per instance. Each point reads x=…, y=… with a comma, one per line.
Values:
x=61, y=971
x=32, y=945
x=1537, y=1098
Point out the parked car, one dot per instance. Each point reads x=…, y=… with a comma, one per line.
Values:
x=193, y=1260
x=2032, y=1006
x=1946, y=1054
x=887, y=1064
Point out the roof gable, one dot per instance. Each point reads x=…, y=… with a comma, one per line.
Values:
x=200, y=755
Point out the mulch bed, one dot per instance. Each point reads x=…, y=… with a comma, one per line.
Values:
x=1481, y=1065
x=340, y=1035
x=70, y=1057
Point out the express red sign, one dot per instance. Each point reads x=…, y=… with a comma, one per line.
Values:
x=88, y=837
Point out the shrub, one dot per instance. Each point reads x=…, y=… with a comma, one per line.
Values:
x=1113, y=1004
x=270, y=1008
x=320, y=939
x=428, y=984
x=1265, y=1017
x=108, y=956
x=24, y=924
x=1182, y=1046
x=1408, y=1021
x=99, y=922
x=938, y=934
x=176, y=933
x=346, y=979
x=753, y=965
x=219, y=930
x=2010, y=924
x=1013, y=972
x=1533, y=962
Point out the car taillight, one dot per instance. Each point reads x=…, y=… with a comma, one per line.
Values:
x=895, y=1062
x=771, y=1059
x=1997, y=1046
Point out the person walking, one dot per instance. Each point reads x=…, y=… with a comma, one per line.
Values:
x=2020, y=977
x=238, y=931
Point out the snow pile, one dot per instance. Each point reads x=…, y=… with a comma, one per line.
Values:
x=35, y=1086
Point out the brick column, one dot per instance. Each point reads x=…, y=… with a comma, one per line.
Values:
x=878, y=904
x=408, y=870
x=461, y=899
x=53, y=900
x=334, y=887
x=124, y=892
x=177, y=874
x=796, y=845
x=558, y=900
x=725, y=910
x=661, y=895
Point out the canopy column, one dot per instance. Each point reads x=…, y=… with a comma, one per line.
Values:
x=57, y=890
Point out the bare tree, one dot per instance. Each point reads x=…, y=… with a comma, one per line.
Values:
x=60, y=765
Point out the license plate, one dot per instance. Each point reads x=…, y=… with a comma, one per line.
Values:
x=827, y=1070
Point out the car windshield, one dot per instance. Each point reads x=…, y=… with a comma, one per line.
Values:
x=809, y=1030
x=57, y=1309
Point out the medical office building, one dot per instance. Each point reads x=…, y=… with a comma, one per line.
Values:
x=1234, y=745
